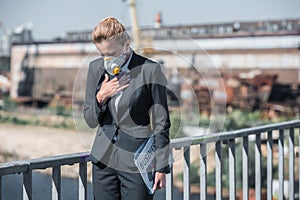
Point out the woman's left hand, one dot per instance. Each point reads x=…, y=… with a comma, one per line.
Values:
x=159, y=181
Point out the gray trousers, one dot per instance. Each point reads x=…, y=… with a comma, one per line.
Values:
x=112, y=184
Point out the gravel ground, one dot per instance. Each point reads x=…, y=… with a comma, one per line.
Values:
x=29, y=142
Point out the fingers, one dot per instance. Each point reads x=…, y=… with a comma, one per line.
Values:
x=122, y=88
x=115, y=85
x=162, y=184
x=156, y=180
x=155, y=186
x=106, y=78
x=159, y=181
x=158, y=185
x=124, y=80
x=121, y=78
x=119, y=83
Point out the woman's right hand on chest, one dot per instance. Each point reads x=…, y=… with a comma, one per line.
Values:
x=111, y=87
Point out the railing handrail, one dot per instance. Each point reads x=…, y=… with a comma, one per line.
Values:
x=70, y=159
x=227, y=135
x=43, y=163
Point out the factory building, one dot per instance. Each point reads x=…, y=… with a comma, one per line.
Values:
x=197, y=53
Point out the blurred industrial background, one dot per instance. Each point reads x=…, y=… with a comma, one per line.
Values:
x=213, y=54
x=259, y=62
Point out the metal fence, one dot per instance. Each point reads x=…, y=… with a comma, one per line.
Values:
x=283, y=133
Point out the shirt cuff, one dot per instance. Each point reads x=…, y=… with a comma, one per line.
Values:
x=165, y=170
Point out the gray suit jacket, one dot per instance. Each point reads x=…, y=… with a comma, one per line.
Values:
x=142, y=111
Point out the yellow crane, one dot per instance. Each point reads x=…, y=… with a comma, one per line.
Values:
x=135, y=26
x=142, y=45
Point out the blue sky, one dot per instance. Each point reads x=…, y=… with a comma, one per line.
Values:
x=53, y=18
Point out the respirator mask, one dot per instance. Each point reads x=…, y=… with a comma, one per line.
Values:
x=113, y=64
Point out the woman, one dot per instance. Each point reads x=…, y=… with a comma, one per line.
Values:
x=126, y=100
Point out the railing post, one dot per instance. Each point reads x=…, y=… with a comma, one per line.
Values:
x=232, y=171
x=56, y=183
x=270, y=166
x=169, y=181
x=258, y=167
x=299, y=159
x=218, y=172
x=0, y=187
x=27, y=185
x=203, y=172
x=245, y=168
x=281, y=165
x=82, y=190
x=291, y=164
x=186, y=174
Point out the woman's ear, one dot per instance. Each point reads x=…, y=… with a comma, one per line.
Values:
x=127, y=45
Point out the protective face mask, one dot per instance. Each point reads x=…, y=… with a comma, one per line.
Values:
x=113, y=64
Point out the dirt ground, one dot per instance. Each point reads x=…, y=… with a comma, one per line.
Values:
x=28, y=142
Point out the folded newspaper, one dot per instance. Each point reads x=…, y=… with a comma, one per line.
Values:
x=144, y=159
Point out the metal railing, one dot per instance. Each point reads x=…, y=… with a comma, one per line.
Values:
x=230, y=139
x=26, y=168
x=285, y=130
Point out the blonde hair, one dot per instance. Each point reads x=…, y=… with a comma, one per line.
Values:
x=110, y=29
